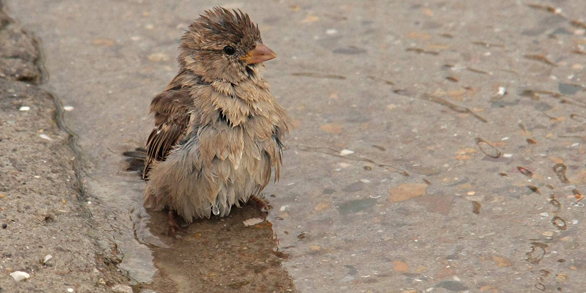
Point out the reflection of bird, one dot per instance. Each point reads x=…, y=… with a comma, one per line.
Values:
x=218, y=129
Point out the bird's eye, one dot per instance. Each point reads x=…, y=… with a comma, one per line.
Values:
x=229, y=50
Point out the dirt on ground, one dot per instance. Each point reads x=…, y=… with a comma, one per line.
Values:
x=47, y=234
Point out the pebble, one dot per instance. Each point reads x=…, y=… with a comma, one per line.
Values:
x=44, y=136
x=158, y=57
x=19, y=276
x=346, y=152
x=344, y=165
x=544, y=214
x=501, y=92
x=47, y=258
x=508, y=155
x=24, y=108
x=122, y=288
x=253, y=221
x=68, y=108
x=331, y=32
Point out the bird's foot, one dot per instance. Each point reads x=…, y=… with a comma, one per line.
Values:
x=173, y=226
x=261, y=204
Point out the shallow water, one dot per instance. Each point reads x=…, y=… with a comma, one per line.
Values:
x=430, y=147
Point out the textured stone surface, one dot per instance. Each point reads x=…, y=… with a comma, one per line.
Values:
x=40, y=209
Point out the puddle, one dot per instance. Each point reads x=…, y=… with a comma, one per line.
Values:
x=442, y=150
x=219, y=255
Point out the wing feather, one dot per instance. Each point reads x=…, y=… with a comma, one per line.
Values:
x=171, y=110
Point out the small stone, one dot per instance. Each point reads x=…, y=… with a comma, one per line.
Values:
x=344, y=165
x=252, y=221
x=364, y=180
x=158, y=57
x=407, y=191
x=331, y=32
x=547, y=234
x=69, y=289
x=68, y=108
x=44, y=136
x=502, y=261
x=4, y=225
x=400, y=266
x=544, y=214
x=24, y=108
x=122, y=289
x=47, y=258
x=19, y=276
x=508, y=155
x=346, y=152
x=501, y=92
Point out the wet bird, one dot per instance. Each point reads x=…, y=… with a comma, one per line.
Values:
x=218, y=130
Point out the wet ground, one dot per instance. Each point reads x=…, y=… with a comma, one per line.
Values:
x=439, y=145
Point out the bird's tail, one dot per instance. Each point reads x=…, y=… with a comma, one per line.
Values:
x=136, y=160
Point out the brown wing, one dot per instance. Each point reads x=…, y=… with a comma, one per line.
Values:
x=171, y=112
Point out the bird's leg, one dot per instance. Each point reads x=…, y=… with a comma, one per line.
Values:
x=173, y=227
x=260, y=203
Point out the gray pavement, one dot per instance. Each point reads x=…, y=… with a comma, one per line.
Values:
x=438, y=145
x=48, y=240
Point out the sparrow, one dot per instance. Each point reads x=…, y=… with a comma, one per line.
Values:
x=218, y=130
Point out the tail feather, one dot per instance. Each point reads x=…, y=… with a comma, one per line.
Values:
x=136, y=160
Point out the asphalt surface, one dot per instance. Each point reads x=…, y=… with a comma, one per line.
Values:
x=438, y=145
x=49, y=241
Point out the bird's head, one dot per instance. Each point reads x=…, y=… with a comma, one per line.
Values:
x=223, y=45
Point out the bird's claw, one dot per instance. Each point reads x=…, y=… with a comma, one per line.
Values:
x=173, y=227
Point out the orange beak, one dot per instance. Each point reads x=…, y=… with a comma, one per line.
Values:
x=260, y=53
